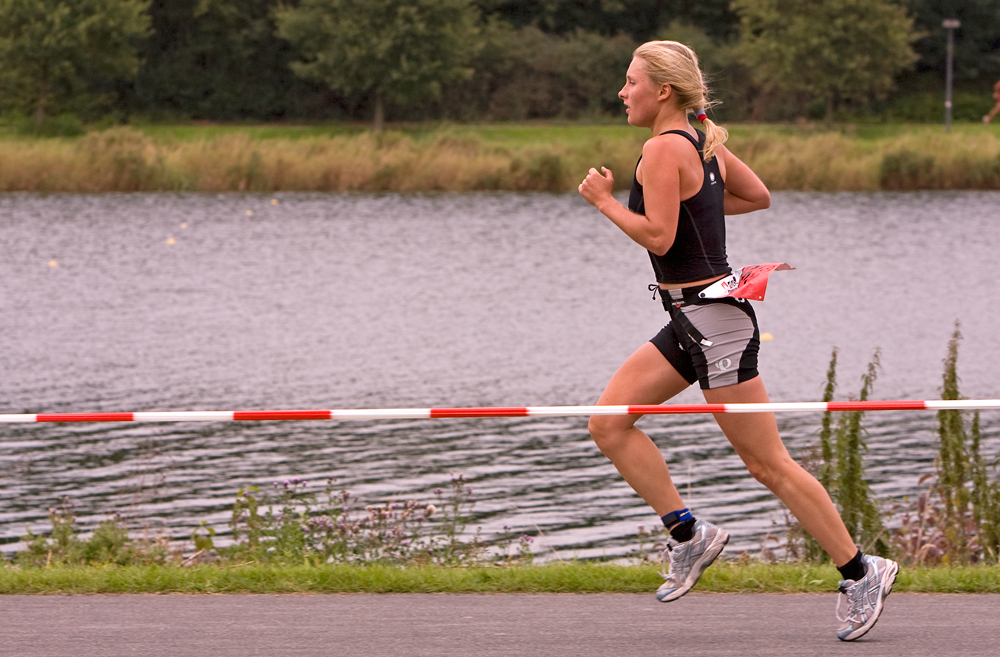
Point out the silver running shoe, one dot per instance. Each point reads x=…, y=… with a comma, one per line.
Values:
x=865, y=597
x=689, y=560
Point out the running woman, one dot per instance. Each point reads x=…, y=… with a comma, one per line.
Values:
x=685, y=182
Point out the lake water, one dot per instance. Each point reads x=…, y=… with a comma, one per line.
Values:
x=138, y=302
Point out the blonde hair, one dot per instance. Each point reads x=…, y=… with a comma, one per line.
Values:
x=673, y=63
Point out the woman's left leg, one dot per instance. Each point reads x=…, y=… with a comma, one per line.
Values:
x=755, y=438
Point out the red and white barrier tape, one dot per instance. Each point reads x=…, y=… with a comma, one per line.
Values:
x=522, y=411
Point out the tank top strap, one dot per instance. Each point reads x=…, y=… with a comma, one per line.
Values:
x=697, y=143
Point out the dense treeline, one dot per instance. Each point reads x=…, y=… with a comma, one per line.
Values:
x=231, y=60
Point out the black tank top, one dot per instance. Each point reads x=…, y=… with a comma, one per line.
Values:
x=699, y=248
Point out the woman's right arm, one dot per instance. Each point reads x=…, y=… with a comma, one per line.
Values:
x=655, y=230
x=744, y=190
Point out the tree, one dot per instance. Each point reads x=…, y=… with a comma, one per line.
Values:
x=50, y=46
x=640, y=19
x=530, y=74
x=977, y=42
x=219, y=59
x=837, y=50
x=399, y=51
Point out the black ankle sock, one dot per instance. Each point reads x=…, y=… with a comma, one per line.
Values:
x=683, y=531
x=853, y=569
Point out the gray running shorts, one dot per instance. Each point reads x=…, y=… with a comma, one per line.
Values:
x=711, y=341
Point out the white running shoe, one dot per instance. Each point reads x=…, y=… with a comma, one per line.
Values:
x=865, y=597
x=688, y=560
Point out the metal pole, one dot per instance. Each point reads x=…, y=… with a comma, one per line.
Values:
x=951, y=25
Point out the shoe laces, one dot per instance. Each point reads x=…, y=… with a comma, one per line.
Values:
x=847, y=589
x=667, y=570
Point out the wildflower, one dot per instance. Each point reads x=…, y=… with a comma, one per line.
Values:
x=430, y=510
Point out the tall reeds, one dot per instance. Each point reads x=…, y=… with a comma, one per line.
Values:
x=460, y=159
x=839, y=467
x=954, y=520
x=969, y=500
x=125, y=159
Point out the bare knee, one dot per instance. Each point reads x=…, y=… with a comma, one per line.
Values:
x=774, y=473
x=609, y=432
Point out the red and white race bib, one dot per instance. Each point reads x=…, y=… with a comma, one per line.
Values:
x=748, y=283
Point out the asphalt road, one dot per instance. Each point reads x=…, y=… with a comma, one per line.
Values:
x=404, y=625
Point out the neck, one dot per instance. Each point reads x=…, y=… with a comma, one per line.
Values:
x=672, y=120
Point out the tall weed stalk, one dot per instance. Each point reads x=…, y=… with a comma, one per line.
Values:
x=858, y=509
x=956, y=520
x=840, y=469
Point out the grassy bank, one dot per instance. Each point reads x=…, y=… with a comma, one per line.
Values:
x=562, y=578
x=518, y=157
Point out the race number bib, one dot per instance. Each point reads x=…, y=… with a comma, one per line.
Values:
x=747, y=283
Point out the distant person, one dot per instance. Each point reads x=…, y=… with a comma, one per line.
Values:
x=685, y=183
x=996, y=107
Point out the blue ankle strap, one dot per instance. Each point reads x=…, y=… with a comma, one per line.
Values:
x=675, y=517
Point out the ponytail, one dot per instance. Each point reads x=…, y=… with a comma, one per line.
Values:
x=715, y=135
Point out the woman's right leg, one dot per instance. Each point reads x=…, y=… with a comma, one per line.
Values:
x=646, y=377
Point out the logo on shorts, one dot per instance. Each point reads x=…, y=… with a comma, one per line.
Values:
x=724, y=364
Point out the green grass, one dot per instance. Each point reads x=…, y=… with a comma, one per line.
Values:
x=560, y=578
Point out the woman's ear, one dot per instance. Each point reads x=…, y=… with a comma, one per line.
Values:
x=665, y=91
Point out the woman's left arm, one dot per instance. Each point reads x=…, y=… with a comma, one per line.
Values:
x=744, y=190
